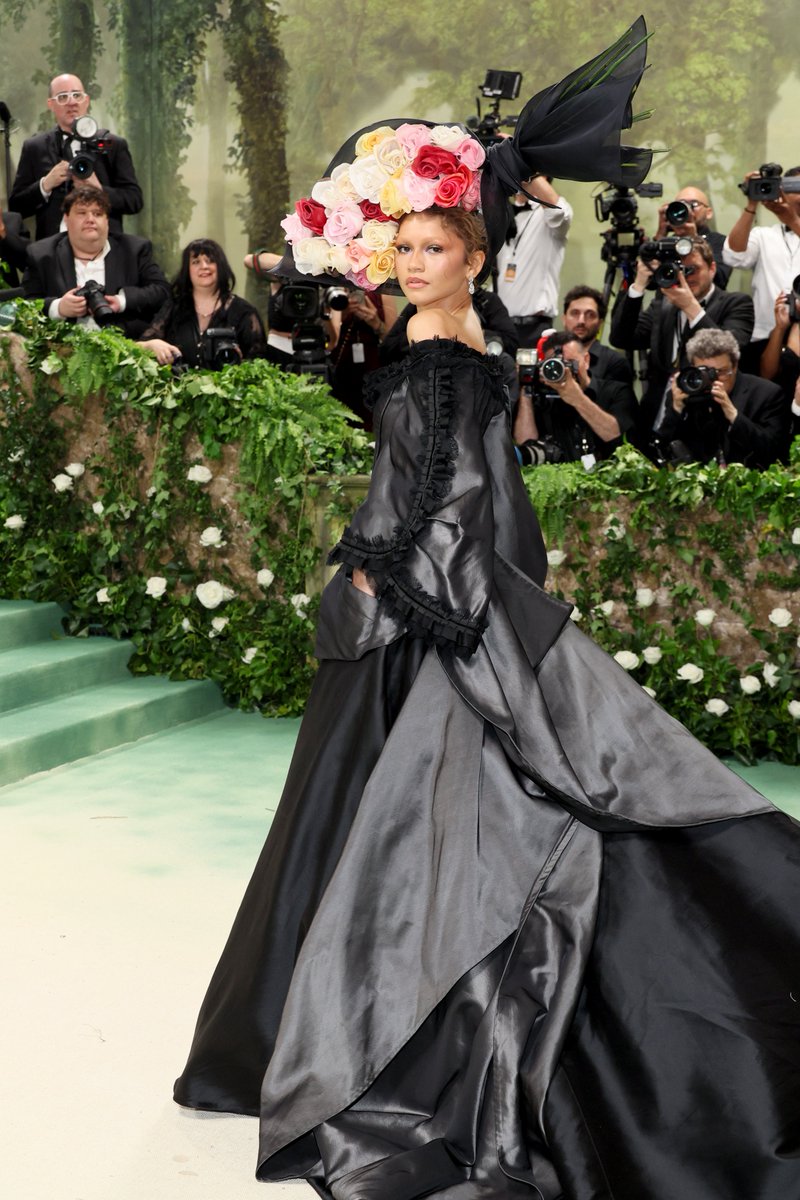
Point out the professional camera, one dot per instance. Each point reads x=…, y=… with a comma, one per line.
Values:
x=769, y=183
x=537, y=451
x=96, y=303
x=554, y=370
x=219, y=348
x=668, y=252
x=677, y=212
x=304, y=304
x=620, y=206
x=794, y=300
x=696, y=382
x=93, y=143
x=497, y=86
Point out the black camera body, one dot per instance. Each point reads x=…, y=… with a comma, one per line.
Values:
x=620, y=206
x=96, y=303
x=695, y=382
x=794, y=300
x=769, y=183
x=94, y=142
x=554, y=370
x=497, y=86
x=219, y=348
x=677, y=212
x=668, y=252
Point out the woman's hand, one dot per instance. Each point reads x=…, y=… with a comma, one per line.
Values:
x=165, y=352
x=361, y=582
x=782, y=311
x=363, y=308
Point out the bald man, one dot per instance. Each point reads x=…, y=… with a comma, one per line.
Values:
x=44, y=174
x=696, y=225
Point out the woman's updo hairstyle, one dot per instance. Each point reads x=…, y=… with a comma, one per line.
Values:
x=468, y=226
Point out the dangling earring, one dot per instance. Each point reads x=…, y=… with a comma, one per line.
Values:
x=471, y=286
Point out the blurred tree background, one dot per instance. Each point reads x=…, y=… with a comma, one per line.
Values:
x=231, y=108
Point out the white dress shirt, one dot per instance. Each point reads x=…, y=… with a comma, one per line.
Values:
x=537, y=254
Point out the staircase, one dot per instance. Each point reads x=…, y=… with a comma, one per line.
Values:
x=63, y=698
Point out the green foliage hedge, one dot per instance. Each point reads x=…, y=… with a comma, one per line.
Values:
x=131, y=537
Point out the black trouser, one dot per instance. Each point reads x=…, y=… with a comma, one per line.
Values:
x=530, y=329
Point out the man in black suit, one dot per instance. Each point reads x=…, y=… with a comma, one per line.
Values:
x=690, y=305
x=732, y=418
x=584, y=311
x=44, y=176
x=14, y=242
x=58, y=267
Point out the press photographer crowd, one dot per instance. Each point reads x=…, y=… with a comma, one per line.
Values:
x=697, y=372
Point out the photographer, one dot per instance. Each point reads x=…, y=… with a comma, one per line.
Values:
x=203, y=323
x=772, y=253
x=568, y=415
x=717, y=413
x=688, y=215
x=90, y=276
x=45, y=175
x=681, y=308
x=529, y=264
x=584, y=313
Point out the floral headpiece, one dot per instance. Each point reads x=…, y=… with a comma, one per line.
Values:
x=349, y=224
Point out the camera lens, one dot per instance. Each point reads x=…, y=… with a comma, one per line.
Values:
x=553, y=370
x=677, y=213
x=666, y=275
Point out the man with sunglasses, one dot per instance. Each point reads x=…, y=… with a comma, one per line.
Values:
x=691, y=304
x=44, y=176
x=696, y=225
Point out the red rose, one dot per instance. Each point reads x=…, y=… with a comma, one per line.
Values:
x=432, y=161
x=453, y=187
x=312, y=215
x=374, y=212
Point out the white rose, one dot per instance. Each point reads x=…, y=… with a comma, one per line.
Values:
x=329, y=194
x=717, y=707
x=690, y=673
x=227, y=593
x=102, y=597
x=771, y=675
x=555, y=557
x=606, y=608
x=155, y=586
x=15, y=521
x=211, y=536
x=368, y=176
x=264, y=577
x=218, y=623
x=379, y=235
x=390, y=156
x=151, y=491
x=210, y=594
x=199, y=474
x=249, y=654
x=311, y=255
x=627, y=660
x=341, y=177
x=795, y=532
x=645, y=597
x=338, y=260
x=299, y=600
x=75, y=469
x=651, y=693
x=186, y=625
x=98, y=508
x=447, y=136
x=17, y=456
x=750, y=684
x=63, y=483
x=794, y=709
x=780, y=617
x=705, y=616
x=576, y=615
x=652, y=655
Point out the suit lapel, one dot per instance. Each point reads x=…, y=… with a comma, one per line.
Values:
x=65, y=265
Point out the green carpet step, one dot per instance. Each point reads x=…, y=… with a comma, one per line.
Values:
x=42, y=671
x=24, y=621
x=46, y=735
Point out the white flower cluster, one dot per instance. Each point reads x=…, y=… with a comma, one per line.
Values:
x=15, y=521
x=199, y=474
x=265, y=577
x=299, y=602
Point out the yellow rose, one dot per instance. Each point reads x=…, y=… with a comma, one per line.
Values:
x=381, y=266
x=392, y=198
x=368, y=141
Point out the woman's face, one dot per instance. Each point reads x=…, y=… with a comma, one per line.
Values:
x=431, y=262
x=203, y=271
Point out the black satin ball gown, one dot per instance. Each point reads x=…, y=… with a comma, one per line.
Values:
x=514, y=932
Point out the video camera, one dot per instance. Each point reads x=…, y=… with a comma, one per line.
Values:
x=307, y=305
x=620, y=206
x=497, y=86
x=769, y=183
x=93, y=143
x=668, y=252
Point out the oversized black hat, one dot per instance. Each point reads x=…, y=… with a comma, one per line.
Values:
x=570, y=130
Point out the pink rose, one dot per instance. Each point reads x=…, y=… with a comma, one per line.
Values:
x=358, y=254
x=294, y=228
x=431, y=161
x=311, y=214
x=374, y=212
x=472, y=196
x=420, y=192
x=452, y=188
x=343, y=224
x=359, y=278
x=411, y=138
x=471, y=153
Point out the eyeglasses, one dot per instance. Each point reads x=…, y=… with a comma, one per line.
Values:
x=63, y=97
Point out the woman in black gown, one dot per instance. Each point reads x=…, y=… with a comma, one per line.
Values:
x=514, y=933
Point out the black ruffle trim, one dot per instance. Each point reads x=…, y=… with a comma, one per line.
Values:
x=426, y=616
x=378, y=382
x=435, y=470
